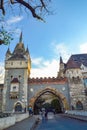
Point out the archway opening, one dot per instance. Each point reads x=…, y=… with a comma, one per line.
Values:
x=48, y=101
x=79, y=105
x=18, y=107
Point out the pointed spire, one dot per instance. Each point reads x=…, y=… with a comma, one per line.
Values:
x=8, y=51
x=20, y=39
x=8, y=54
x=61, y=61
x=27, y=50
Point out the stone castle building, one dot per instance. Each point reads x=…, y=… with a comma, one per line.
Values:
x=19, y=91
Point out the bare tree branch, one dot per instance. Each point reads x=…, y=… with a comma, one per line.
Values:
x=2, y=7
x=1, y=42
x=38, y=8
x=27, y=5
x=34, y=7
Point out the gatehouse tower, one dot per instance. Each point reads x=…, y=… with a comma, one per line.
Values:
x=17, y=71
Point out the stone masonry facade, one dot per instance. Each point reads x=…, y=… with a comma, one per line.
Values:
x=76, y=72
x=19, y=90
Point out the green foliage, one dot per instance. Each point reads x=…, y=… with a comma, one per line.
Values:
x=46, y=105
x=56, y=105
x=5, y=36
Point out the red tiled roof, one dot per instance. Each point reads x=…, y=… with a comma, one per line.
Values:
x=75, y=61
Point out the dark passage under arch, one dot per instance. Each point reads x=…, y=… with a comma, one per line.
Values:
x=48, y=101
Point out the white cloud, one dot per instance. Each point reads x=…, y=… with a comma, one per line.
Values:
x=14, y=19
x=46, y=69
x=37, y=61
x=83, y=48
x=60, y=49
x=17, y=32
x=10, y=25
x=49, y=69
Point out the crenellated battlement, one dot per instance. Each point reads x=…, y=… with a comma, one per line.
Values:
x=47, y=80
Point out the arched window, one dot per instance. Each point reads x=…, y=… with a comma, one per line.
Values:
x=18, y=107
x=79, y=105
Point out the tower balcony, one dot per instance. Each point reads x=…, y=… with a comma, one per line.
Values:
x=14, y=95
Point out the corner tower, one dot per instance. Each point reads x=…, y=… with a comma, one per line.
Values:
x=17, y=72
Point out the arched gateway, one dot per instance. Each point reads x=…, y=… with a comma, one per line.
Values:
x=62, y=99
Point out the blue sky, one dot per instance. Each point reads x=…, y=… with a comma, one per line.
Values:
x=64, y=33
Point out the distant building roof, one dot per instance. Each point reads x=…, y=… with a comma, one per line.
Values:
x=75, y=61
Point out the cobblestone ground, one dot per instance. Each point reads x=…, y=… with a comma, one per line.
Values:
x=62, y=123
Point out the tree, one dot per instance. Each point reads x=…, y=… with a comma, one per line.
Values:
x=5, y=37
x=47, y=106
x=36, y=7
x=56, y=104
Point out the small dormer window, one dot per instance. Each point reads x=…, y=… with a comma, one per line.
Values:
x=82, y=67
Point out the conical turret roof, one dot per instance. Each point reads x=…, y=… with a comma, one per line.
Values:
x=61, y=61
x=19, y=51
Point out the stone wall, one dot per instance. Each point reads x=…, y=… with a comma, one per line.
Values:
x=9, y=121
x=20, y=117
x=6, y=122
x=8, y=103
x=78, y=113
x=77, y=92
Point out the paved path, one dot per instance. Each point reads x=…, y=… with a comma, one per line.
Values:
x=78, y=117
x=26, y=124
x=60, y=122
